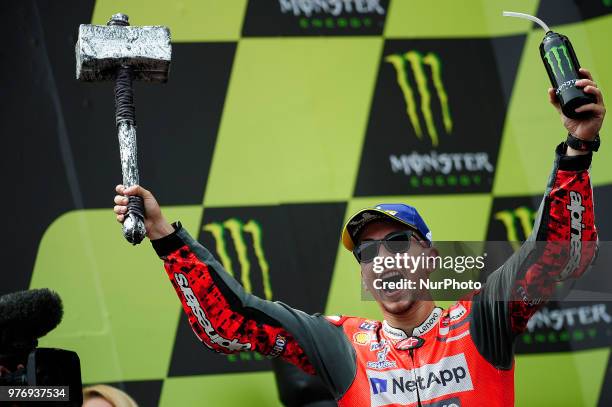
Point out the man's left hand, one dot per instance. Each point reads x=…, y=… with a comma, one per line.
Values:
x=587, y=128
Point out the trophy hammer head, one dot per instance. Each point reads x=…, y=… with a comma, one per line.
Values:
x=101, y=49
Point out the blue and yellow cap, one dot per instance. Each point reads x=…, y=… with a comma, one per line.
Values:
x=402, y=213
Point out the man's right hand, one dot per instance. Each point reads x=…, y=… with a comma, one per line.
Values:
x=155, y=223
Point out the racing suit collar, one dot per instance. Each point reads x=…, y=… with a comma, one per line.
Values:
x=423, y=328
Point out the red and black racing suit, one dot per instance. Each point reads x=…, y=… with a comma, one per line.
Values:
x=461, y=356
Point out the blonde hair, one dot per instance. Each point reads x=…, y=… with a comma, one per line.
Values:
x=114, y=396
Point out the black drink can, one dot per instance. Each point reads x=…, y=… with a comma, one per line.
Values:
x=562, y=66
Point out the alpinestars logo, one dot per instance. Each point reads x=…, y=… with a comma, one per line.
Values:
x=399, y=386
x=415, y=62
x=575, y=209
x=193, y=303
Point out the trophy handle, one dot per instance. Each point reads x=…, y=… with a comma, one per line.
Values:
x=133, y=225
x=125, y=117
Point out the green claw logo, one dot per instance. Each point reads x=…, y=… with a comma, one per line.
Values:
x=415, y=62
x=237, y=231
x=555, y=57
x=515, y=220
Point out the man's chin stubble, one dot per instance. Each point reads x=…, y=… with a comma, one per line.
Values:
x=398, y=308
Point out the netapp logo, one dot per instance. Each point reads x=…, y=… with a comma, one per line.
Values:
x=331, y=7
x=575, y=209
x=399, y=386
x=193, y=303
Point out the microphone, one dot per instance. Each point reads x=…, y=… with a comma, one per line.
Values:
x=26, y=316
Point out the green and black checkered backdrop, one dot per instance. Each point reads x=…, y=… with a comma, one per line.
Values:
x=281, y=118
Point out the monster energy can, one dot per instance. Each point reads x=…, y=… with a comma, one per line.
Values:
x=562, y=66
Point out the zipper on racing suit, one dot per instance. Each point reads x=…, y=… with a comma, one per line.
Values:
x=414, y=371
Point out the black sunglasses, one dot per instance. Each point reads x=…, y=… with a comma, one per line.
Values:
x=395, y=242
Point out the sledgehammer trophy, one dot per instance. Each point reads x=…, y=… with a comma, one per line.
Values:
x=124, y=53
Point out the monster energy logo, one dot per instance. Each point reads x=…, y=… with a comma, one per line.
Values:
x=575, y=324
x=237, y=231
x=555, y=57
x=330, y=7
x=332, y=14
x=515, y=220
x=415, y=62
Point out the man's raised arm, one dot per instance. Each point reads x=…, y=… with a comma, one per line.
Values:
x=563, y=243
x=227, y=319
